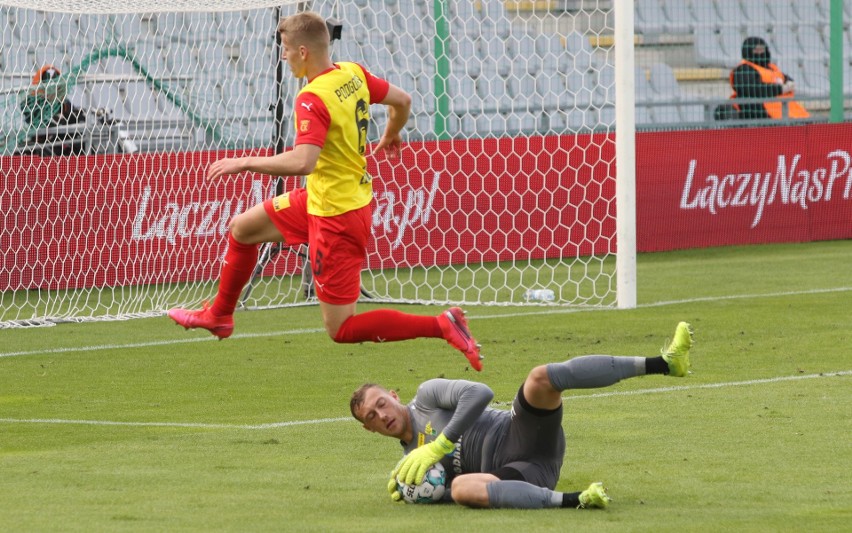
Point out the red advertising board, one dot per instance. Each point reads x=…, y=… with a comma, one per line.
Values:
x=152, y=218
x=743, y=186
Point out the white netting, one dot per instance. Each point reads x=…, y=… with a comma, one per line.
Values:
x=507, y=183
x=95, y=7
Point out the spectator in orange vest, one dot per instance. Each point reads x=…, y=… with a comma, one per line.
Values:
x=757, y=77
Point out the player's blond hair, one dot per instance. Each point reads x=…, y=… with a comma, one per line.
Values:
x=306, y=29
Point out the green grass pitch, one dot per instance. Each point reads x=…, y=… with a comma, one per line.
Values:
x=141, y=426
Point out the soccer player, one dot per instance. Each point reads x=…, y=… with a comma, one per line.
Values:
x=332, y=214
x=502, y=459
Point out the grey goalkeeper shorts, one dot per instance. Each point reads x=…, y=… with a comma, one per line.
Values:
x=534, y=445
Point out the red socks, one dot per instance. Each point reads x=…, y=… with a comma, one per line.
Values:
x=239, y=263
x=387, y=325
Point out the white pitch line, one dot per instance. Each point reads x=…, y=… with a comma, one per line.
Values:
x=276, y=425
x=100, y=347
x=545, y=311
x=194, y=425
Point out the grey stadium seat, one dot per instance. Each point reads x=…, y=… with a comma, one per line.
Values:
x=708, y=49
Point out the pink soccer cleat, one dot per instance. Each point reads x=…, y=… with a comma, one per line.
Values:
x=455, y=331
x=220, y=326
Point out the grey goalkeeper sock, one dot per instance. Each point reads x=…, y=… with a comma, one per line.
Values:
x=521, y=495
x=594, y=371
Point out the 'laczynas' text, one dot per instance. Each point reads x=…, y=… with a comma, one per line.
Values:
x=790, y=184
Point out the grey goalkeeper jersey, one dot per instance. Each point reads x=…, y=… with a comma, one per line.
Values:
x=459, y=409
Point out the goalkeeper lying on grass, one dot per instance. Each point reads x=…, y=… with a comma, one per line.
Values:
x=502, y=459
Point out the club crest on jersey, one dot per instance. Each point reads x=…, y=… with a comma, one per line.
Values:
x=428, y=430
x=304, y=126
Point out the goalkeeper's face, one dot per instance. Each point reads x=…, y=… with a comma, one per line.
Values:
x=382, y=412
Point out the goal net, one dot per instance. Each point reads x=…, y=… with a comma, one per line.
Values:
x=111, y=117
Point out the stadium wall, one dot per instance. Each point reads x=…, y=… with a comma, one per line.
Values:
x=151, y=218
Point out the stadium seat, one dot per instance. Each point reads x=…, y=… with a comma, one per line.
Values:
x=579, y=89
x=811, y=42
x=605, y=87
x=678, y=16
x=118, y=66
x=491, y=89
x=256, y=56
x=643, y=115
x=348, y=51
x=170, y=25
x=815, y=76
x=423, y=123
x=704, y=14
x=382, y=21
x=644, y=90
x=215, y=60
x=62, y=25
x=232, y=26
x=813, y=12
x=606, y=116
x=50, y=55
x=782, y=11
x=17, y=60
x=731, y=41
x=785, y=45
x=578, y=51
x=525, y=53
x=664, y=83
x=261, y=21
x=755, y=12
x=107, y=96
x=30, y=27
x=580, y=119
x=529, y=123
x=237, y=97
x=202, y=26
x=556, y=123
x=550, y=87
x=648, y=16
x=708, y=49
x=460, y=89
x=730, y=13
x=141, y=101
x=128, y=28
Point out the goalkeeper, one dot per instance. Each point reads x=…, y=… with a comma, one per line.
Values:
x=502, y=459
x=332, y=214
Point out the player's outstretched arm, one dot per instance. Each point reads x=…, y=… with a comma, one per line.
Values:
x=399, y=109
x=301, y=160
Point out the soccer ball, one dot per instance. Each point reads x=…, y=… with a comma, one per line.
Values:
x=431, y=490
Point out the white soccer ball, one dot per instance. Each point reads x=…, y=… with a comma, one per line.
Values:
x=431, y=490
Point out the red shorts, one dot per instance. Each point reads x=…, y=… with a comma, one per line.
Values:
x=337, y=245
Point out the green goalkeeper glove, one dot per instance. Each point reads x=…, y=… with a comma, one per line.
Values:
x=413, y=467
x=393, y=490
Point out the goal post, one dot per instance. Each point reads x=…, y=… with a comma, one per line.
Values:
x=507, y=182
